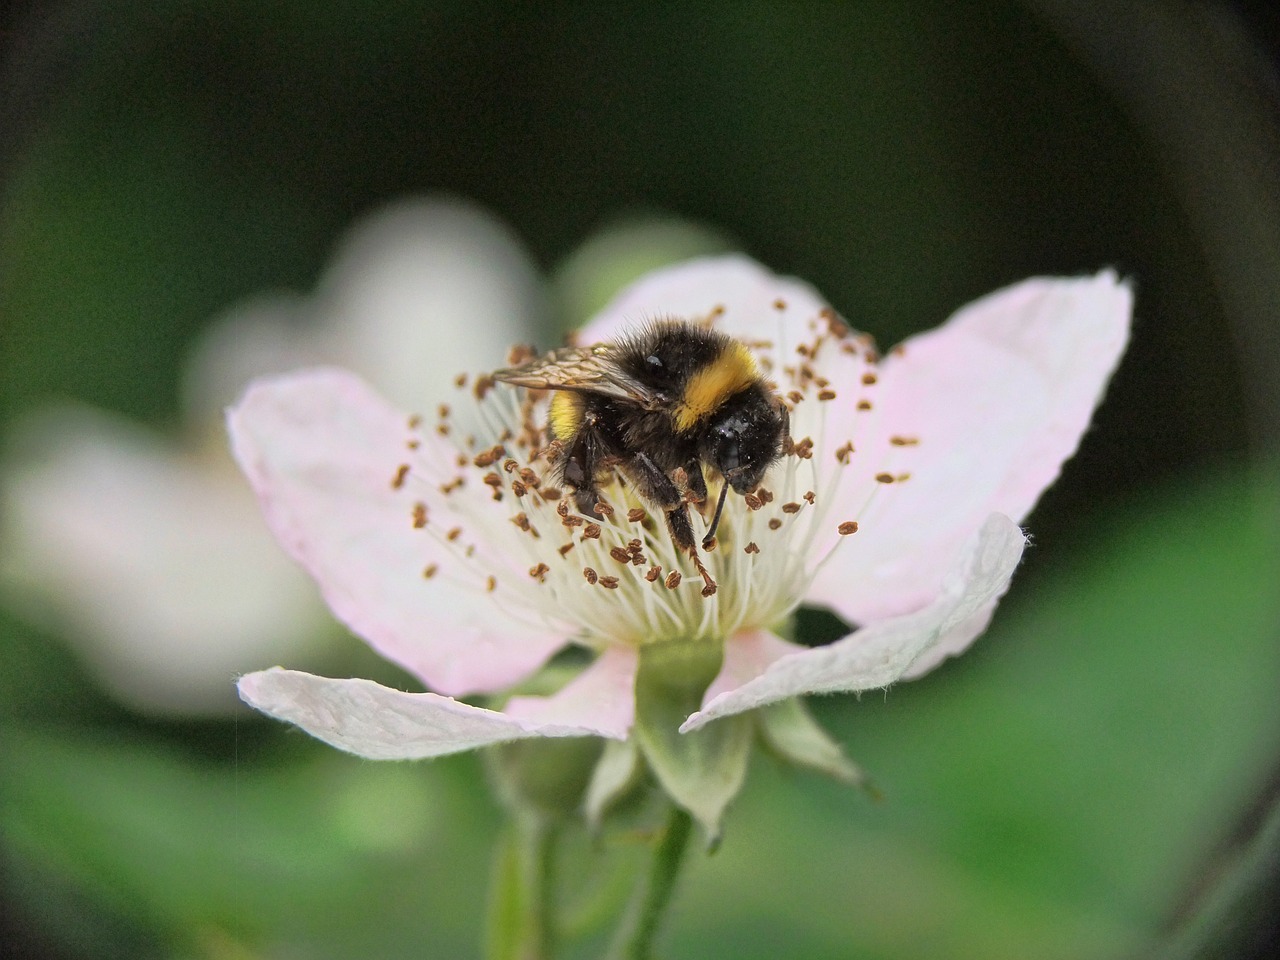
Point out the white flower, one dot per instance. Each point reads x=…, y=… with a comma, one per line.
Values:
x=898, y=510
x=149, y=553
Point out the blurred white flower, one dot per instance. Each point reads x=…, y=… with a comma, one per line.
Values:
x=149, y=553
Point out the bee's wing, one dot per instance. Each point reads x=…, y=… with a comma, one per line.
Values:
x=585, y=369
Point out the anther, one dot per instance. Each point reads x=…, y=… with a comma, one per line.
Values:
x=429, y=571
x=848, y=527
x=487, y=458
x=751, y=548
x=590, y=575
x=397, y=481
x=539, y=572
x=419, y=515
x=609, y=583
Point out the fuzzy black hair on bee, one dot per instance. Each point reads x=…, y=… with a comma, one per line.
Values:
x=657, y=405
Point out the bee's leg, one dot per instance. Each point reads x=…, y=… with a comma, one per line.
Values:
x=581, y=465
x=580, y=477
x=697, y=484
x=657, y=487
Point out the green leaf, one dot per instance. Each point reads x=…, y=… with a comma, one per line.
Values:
x=702, y=771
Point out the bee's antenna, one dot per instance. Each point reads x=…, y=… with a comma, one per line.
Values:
x=715, y=520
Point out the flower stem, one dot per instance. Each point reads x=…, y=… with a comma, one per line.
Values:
x=638, y=929
x=522, y=900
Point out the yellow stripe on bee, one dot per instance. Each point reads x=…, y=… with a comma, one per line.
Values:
x=731, y=372
x=565, y=414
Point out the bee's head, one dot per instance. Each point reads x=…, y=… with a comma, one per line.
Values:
x=746, y=436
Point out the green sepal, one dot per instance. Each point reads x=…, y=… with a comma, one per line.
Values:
x=788, y=731
x=619, y=771
x=545, y=776
x=701, y=771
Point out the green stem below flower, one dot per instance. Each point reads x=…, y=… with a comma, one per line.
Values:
x=522, y=899
x=638, y=929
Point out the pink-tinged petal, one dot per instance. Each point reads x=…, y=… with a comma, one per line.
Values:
x=880, y=653
x=320, y=449
x=990, y=405
x=751, y=303
x=602, y=697
x=373, y=721
x=746, y=656
x=155, y=565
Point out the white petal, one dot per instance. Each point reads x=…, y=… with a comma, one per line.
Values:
x=753, y=303
x=601, y=697
x=320, y=449
x=373, y=721
x=157, y=566
x=882, y=652
x=997, y=399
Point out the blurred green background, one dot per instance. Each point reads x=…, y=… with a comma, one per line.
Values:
x=1096, y=779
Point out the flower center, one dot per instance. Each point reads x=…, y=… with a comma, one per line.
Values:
x=481, y=486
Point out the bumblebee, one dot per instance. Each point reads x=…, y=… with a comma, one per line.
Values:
x=656, y=406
